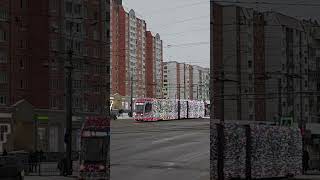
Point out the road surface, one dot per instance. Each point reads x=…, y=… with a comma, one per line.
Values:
x=160, y=150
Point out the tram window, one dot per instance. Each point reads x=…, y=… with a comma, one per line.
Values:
x=148, y=107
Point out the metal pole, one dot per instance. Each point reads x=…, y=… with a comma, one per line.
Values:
x=279, y=100
x=131, y=96
x=222, y=98
x=35, y=132
x=68, y=137
x=197, y=92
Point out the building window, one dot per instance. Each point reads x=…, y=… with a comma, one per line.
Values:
x=23, y=4
x=22, y=85
x=54, y=44
x=3, y=100
x=69, y=25
x=22, y=44
x=53, y=5
x=3, y=57
x=250, y=64
x=21, y=64
x=3, y=35
x=3, y=14
x=69, y=7
x=305, y=83
x=3, y=77
x=53, y=102
x=77, y=9
x=78, y=28
x=95, y=15
x=96, y=52
x=95, y=35
x=77, y=84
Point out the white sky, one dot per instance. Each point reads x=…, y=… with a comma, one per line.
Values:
x=181, y=22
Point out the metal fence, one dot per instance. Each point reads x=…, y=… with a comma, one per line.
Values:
x=44, y=165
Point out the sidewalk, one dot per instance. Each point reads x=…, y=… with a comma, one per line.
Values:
x=124, y=116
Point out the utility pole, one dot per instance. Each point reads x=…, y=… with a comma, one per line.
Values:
x=279, y=99
x=131, y=95
x=68, y=135
x=222, y=98
x=197, y=92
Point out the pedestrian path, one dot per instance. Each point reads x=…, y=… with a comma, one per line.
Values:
x=124, y=116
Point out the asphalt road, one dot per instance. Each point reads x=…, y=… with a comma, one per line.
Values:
x=167, y=150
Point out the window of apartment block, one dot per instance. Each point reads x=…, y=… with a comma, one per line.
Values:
x=96, y=52
x=69, y=7
x=250, y=64
x=21, y=63
x=69, y=25
x=22, y=44
x=22, y=84
x=3, y=14
x=3, y=100
x=77, y=46
x=78, y=27
x=3, y=35
x=95, y=15
x=53, y=102
x=3, y=57
x=77, y=9
x=95, y=35
x=3, y=77
x=250, y=77
x=23, y=4
x=53, y=5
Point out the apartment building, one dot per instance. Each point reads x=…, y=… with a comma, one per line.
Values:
x=154, y=64
x=266, y=63
x=201, y=81
x=34, y=60
x=184, y=81
x=238, y=50
x=137, y=56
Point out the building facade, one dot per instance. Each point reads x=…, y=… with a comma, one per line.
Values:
x=184, y=81
x=263, y=65
x=154, y=64
x=34, y=60
x=136, y=56
x=200, y=83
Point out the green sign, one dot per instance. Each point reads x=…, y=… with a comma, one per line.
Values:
x=42, y=118
x=286, y=121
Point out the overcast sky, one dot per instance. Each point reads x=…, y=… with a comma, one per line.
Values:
x=179, y=23
x=184, y=24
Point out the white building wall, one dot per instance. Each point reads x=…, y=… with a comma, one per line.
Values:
x=170, y=80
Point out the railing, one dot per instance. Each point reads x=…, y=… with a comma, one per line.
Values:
x=47, y=165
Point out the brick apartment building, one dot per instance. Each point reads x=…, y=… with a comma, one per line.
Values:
x=154, y=64
x=136, y=56
x=36, y=36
